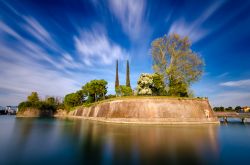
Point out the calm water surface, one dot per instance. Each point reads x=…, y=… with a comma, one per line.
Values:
x=75, y=141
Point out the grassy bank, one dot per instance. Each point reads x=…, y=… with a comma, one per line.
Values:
x=134, y=97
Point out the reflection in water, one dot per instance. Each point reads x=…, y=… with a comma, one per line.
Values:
x=53, y=141
x=132, y=144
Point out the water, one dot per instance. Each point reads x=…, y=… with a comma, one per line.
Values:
x=75, y=141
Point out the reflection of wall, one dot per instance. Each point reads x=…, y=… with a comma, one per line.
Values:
x=150, y=110
x=147, y=144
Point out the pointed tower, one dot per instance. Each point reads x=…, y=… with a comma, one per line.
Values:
x=127, y=76
x=116, y=76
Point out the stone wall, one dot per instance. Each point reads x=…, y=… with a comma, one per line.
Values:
x=33, y=112
x=150, y=110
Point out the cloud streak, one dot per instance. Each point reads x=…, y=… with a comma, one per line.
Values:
x=240, y=83
x=194, y=29
x=131, y=15
x=96, y=48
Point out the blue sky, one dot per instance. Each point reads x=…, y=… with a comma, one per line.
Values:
x=54, y=47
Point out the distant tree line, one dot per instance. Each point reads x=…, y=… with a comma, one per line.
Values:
x=49, y=103
x=227, y=109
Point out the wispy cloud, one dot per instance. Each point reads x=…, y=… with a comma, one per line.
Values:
x=96, y=48
x=25, y=74
x=36, y=51
x=184, y=28
x=36, y=29
x=194, y=30
x=27, y=71
x=131, y=15
x=5, y=29
x=240, y=83
x=223, y=75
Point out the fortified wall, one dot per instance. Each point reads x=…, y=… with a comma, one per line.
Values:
x=150, y=111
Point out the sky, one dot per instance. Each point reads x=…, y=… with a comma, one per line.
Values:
x=55, y=46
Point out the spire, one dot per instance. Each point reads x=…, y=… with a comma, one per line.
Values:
x=127, y=76
x=116, y=76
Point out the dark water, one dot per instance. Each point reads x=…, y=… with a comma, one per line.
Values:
x=65, y=141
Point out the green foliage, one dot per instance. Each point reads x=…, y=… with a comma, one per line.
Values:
x=74, y=99
x=127, y=76
x=51, y=100
x=118, y=91
x=23, y=105
x=179, y=65
x=125, y=91
x=237, y=108
x=40, y=105
x=33, y=101
x=96, y=89
x=222, y=109
x=229, y=109
x=116, y=76
x=177, y=88
x=110, y=96
x=219, y=109
x=151, y=84
x=33, y=97
x=158, y=86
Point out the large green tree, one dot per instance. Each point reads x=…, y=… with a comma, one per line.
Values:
x=96, y=89
x=74, y=99
x=177, y=62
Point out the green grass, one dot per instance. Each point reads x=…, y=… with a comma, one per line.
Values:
x=133, y=97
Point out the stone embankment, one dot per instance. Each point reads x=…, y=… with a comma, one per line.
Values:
x=149, y=111
x=34, y=112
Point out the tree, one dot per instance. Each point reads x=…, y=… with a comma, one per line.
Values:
x=221, y=109
x=127, y=76
x=151, y=84
x=116, y=76
x=51, y=100
x=125, y=90
x=158, y=86
x=144, y=83
x=96, y=89
x=229, y=109
x=33, y=97
x=73, y=99
x=179, y=65
x=237, y=108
